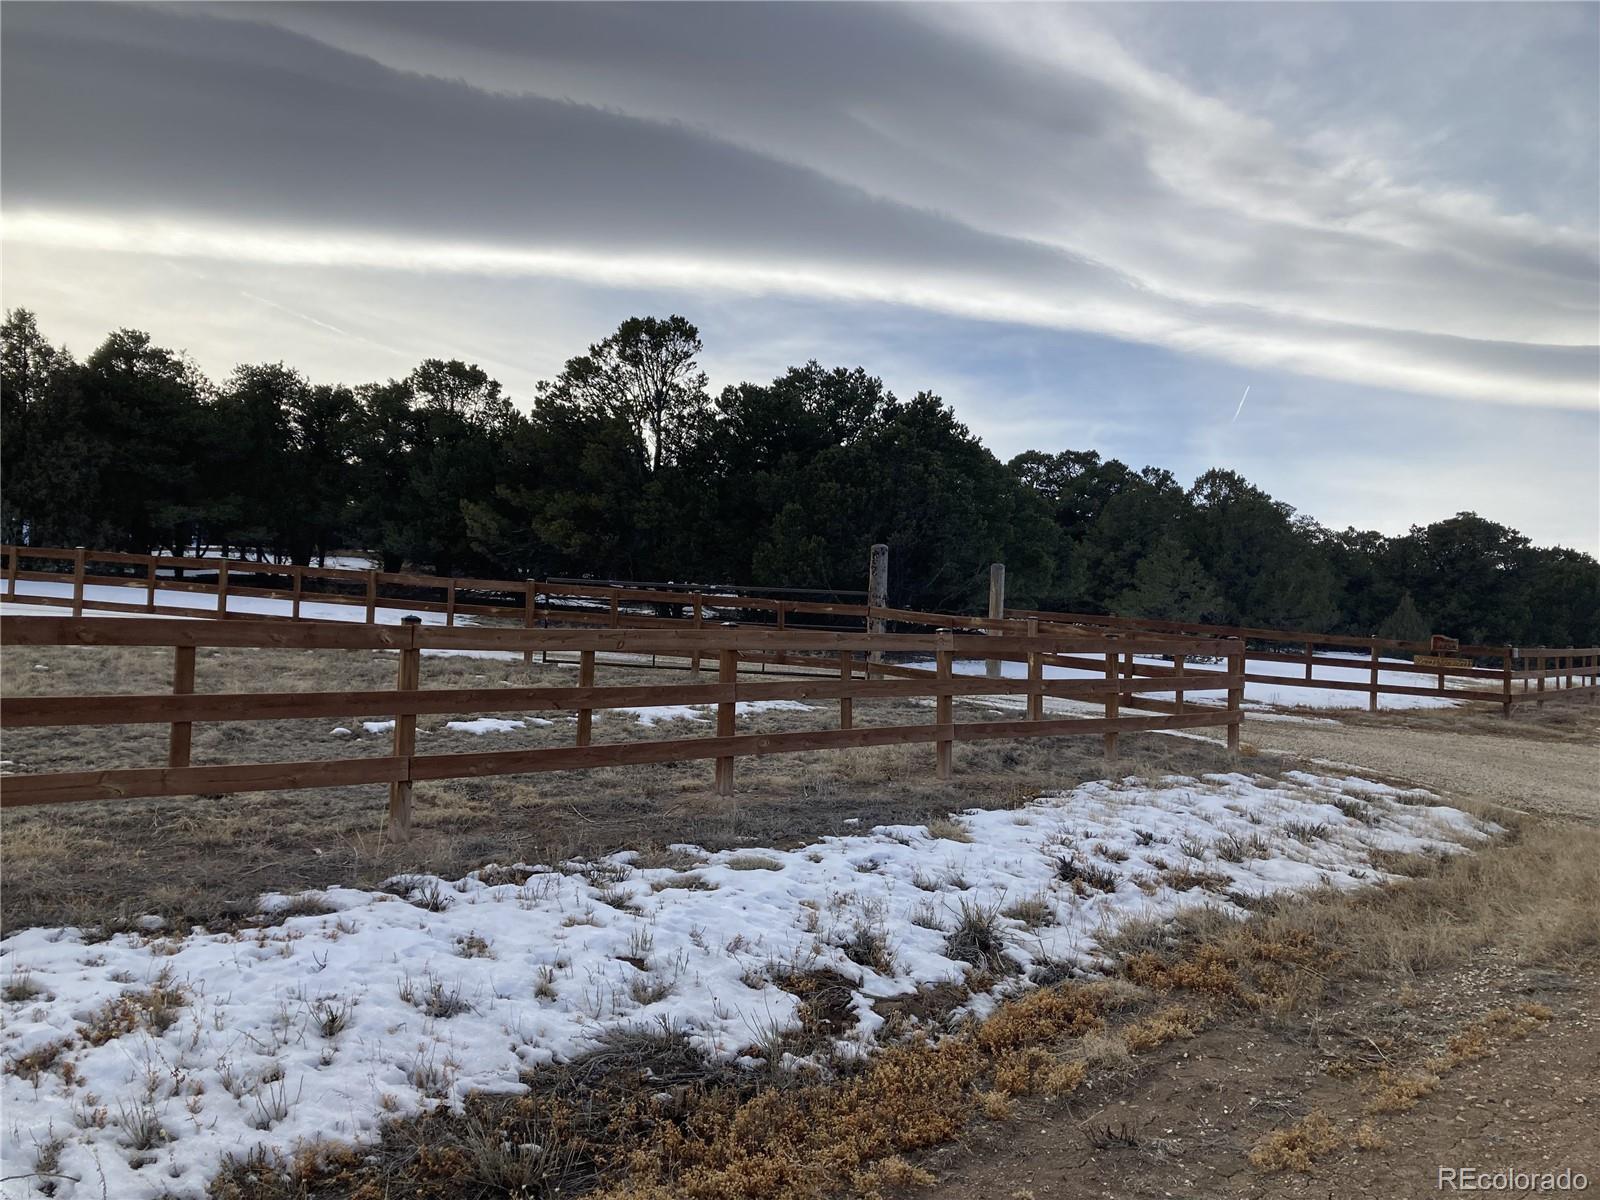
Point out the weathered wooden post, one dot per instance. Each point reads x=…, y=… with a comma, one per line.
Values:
x=1177, y=673
x=1505, y=680
x=299, y=574
x=1544, y=665
x=699, y=622
x=450, y=603
x=1372, y=699
x=1113, y=701
x=585, y=680
x=527, y=618
x=405, y=731
x=728, y=673
x=11, y=570
x=1236, y=665
x=944, y=715
x=1310, y=653
x=372, y=597
x=1035, y=674
x=149, y=583
x=77, y=581
x=997, y=611
x=178, y=741
x=846, y=705
x=222, y=589
x=877, y=597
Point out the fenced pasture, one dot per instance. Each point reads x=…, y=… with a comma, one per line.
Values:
x=1317, y=662
x=1503, y=675
x=819, y=667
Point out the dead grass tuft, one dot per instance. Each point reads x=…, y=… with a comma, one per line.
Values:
x=154, y=1008
x=1033, y=911
x=948, y=829
x=1399, y=1091
x=979, y=939
x=1298, y=1146
x=1170, y=1024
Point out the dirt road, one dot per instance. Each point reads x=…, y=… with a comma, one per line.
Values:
x=1185, y=1123
x=1540, y=761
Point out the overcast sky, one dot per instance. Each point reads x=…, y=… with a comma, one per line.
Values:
x=1085, y=226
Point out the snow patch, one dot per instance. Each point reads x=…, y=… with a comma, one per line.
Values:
x=398, y=1000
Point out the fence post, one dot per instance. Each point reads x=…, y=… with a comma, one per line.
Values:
x=222, y=590
x=178, y=741
x=1372, y=699
x=450, y=603
x=1544, y=664
x=699, y=621
x=1177, y=673
x=11, y=571
x=1310, y=653
x=727, y=672
x=405, y=732
x=372, y=597
x=616, y=615
x=997, y=612
x=1113, y=701
x=77, y=582
x=149, y=584
x=1236, y=662
x=1505, y=680
x=877, y=596
x=299, y=575
x=780, y=614
x=585, y=679
x=846, y=704
x=1035, y=676
x=527, y=617
x=944, y=715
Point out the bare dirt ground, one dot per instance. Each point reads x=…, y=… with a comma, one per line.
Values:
x=1185, y=1122
x=1541, y=760
x=1186, y=1125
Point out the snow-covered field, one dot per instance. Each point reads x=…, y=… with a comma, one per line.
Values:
x=170, y=1049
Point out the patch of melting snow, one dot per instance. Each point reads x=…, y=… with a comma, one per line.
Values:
x=540, y=961
x=378, y=726
x=483, y=725
x=656, y=713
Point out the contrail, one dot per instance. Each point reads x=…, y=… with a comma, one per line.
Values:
x=1240, y=409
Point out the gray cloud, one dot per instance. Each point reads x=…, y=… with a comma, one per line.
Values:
x=1015, y=164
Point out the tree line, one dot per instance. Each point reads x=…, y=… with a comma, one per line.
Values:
x=626, y=465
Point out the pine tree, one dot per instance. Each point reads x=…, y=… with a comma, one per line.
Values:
x=1405, y=623
x=1169, y=585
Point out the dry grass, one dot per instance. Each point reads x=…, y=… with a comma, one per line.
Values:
x=684, y=1129
x=204, y=860
x=1297, y=1147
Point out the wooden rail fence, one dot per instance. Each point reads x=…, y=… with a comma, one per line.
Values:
x=1504, y=675
x=1543, y=672
x=838, y=668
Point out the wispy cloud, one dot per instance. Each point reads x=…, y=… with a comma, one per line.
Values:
x=1016, y=165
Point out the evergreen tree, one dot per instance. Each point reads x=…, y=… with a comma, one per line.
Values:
x=625, y=467
x=1405, y=623
x=1169, y=585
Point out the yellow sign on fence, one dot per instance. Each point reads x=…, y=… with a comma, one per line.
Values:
x=1434, y=660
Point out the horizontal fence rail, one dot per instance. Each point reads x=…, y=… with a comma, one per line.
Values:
x=838, y=666
x=1543, y=672
x=1504, y=675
